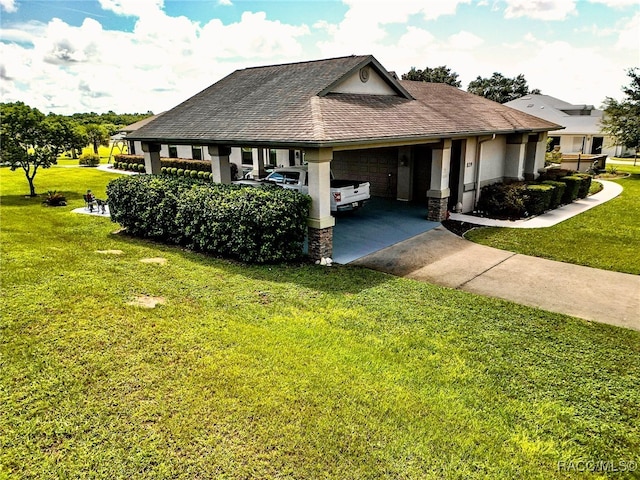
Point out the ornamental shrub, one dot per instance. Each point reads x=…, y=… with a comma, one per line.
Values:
x=89, y=160
x=558, y=192
x=180, y=172
x=141, y=168
x=194, y=174
x=500, y=200
x=585, y=184
x=201, y=174
x=174, y=171
x=254, y=225
x=538, y=198
x=163, y=170
x=573, y=187
x=131, y=166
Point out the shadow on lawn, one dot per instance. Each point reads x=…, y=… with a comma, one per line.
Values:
x=339, y=279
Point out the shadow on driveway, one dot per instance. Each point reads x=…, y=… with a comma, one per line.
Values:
x=379, y=224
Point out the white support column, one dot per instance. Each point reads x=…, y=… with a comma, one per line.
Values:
x=515, y=157
x=220, y=163
x=320, y=221
x=152, y=162
x=439, y=190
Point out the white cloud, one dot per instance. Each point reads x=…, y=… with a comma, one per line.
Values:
x=133, y=8
x=540, y=9
x=8, y=6
x=226, y=3
x=617, y=3
x=465, y=41
x=629, y=36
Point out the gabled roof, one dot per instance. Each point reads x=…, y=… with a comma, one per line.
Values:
x=577, y=119
x=296, y=105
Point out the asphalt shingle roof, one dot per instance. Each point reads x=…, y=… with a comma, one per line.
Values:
x=289, y=105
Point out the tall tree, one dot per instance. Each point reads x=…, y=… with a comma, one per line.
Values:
x=622, y=119
x=69, y=133
x=98, y=135
x=499, y=88
x=27, y=140
x=441, y=74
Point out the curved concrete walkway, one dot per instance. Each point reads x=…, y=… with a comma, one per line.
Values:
x=438, y=256
x=609, y=191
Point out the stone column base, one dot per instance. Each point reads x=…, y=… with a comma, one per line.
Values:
x=320, y=243
x=437, y=209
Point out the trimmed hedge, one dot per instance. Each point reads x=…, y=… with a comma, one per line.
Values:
x=585, y=184
x=538, y=198
x=558, y=192
x=573, y=187
x=167, y=165
x=502, y=200
x=89, y=159
x=253, y=225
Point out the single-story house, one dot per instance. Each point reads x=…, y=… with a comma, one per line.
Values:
x=582, y=131
x=413, y=141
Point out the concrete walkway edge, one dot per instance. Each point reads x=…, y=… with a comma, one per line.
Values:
x=609, y=191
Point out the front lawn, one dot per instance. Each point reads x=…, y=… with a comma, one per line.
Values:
x=283, y=371
x=604, y=237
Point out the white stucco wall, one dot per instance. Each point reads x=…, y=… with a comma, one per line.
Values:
x=492, y=155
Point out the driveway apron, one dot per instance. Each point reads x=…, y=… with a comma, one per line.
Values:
x=438, y=256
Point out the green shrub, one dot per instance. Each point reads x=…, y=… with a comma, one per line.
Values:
x=201, y=174
x=538, y=198
x=132, y=166
x=585, y=184
x=194, y=174
x=163, y=170
x=254, y=225
x=180, y=172
x=501, y=200
x=573, y=186
x=555, y=174
x=89, y=160
x=174, y=171
x=55, y=199
x=558, y=192
x=142, y=168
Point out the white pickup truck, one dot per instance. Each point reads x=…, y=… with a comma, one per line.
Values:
x=345, y=194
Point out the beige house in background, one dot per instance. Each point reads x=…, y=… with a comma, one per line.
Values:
x=582, y=131
x=417, y=142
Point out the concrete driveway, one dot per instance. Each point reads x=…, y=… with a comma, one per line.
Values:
x=379, y=224
x=438, y=256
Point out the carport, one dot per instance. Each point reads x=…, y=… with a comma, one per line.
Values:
x=382, y=222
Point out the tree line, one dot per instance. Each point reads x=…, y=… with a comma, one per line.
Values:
x=498, y=88
x=29, y=139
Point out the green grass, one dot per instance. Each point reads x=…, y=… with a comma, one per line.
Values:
x=604, y=237
x=282, y=371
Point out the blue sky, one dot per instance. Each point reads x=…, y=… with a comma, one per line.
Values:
x=71, y=56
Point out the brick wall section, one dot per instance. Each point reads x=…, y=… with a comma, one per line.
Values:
x=437, y=209
x=320, y=243
x=372, y=165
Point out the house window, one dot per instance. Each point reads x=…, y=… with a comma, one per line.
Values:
x=553, y=141
x=247, y=156
x=173, y=151
x=196, y=152
x=273, y=157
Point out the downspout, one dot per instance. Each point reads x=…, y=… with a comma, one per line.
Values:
x=478, y=148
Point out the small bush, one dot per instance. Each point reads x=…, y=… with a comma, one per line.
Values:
x=555, y=174
x=180, y=172
x=163, y=170
x=573, y=186
x=585, y=184
x=558, y=192
x=142, y=168
x=89, y=160
x=500, y=200
x=174, y=171
x=194, y=174
x=538, y=198
x=201, y=174
x=55, y=199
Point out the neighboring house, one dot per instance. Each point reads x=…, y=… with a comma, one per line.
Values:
x=422, y=142
x=582, y=131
